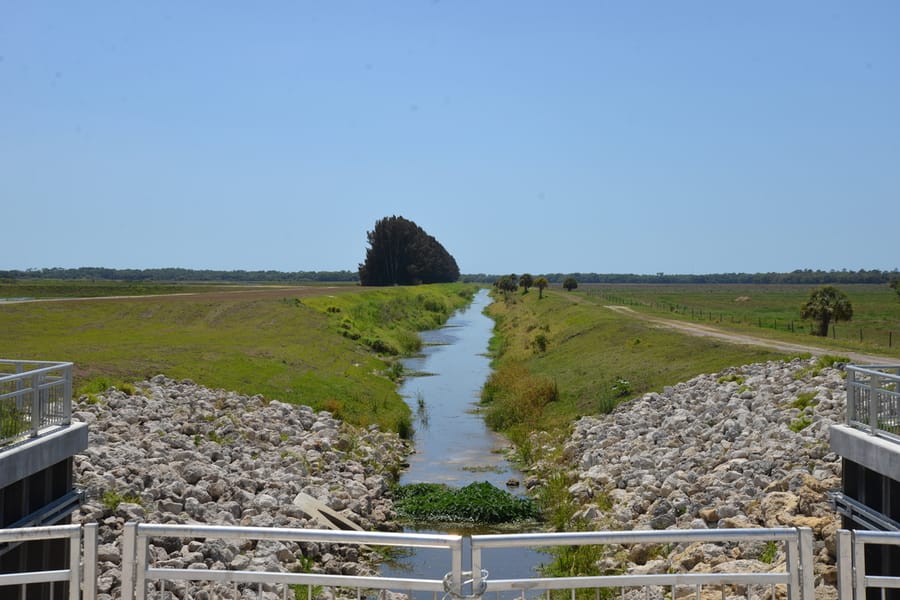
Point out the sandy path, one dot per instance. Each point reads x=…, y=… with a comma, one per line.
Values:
x=738, y=338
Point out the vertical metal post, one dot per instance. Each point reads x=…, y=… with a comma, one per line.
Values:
x=35, y=404
x=874, y=399
x=89, y=576
x=845, y=564
x=128, y=560
x=851, y=396
x=456, y=567
x=476, y=568
x=792, y=550
x=859, y=567
x=67, y=395
x=75, y=564
x=807, y=559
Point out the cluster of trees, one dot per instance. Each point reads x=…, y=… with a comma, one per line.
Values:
x=401, y=253
x=510, y=283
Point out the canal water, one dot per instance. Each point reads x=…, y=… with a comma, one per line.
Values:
x=452, y=443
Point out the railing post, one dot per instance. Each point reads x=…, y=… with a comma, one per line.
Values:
x=845, y=564
x=476, y=570
x=75, y=565
x=859, y=568
x=89, y=574
x=792, y=551
x=129, y=559
x=851, y=396
x=67, y=395
x=35, y=404
x=808, y=582
x=874, y=399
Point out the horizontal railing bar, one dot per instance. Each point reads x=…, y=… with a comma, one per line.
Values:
x=618, y=581
x=40, y=533
x=882, y=581
x=380, y=538
x=876, y=537
x=630, y=537
x=427, y=585
x=35, y=577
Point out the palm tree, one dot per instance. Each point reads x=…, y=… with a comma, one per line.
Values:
x=540, y=283
x=826, y=304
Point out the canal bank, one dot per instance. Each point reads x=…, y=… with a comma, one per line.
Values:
x=453, y=445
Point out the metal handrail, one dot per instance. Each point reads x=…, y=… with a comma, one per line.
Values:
x=34, y=395
x=853, y=580
x=79, y=583
x=137, y=572
x=797, y=576
x=873, y=400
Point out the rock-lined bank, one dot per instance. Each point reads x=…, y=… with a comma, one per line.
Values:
x=176, y=452
x=747, y=447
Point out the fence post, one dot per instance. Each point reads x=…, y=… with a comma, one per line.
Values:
x=807, y=560
x=859, y=568
x=129, y=560
x=89, y=576
x=35, y=404
x=845, y=564
x=874, y=399
x=75, y=565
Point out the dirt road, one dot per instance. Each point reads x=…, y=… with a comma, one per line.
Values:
x=737, y=338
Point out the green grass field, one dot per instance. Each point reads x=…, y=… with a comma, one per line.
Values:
x=767, y=311
x=565, y=356
x=312, y=345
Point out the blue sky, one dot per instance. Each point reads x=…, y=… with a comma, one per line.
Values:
x=613, y=137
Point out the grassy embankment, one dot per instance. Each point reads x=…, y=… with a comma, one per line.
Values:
x=565, y=356
x=770, y=311
x=562, y=357
x=332, y=348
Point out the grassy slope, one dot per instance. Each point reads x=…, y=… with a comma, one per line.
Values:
x=276, y=344
x=744, y=308
x=588, y=350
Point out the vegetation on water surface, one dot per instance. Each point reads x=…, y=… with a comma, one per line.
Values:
x=284, y=343
x=478, y=503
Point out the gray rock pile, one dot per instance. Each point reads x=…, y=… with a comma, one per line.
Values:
x=747, y=447
x=176, y=452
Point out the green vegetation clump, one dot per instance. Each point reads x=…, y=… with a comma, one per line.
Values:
x=479, y=503
x=798, y=425
x=733, y=377
x=804, y=400
x=112, y=499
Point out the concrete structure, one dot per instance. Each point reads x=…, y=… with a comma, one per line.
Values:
x=37, y=443
x=869, y=443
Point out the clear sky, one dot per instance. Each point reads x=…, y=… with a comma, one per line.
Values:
x=541, y=137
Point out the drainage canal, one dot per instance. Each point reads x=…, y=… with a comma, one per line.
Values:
x=453, y=444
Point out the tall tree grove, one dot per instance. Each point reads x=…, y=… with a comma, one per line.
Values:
x=401, y=253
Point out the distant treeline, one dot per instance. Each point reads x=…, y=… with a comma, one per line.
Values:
x=181, y=275
x=801, y=276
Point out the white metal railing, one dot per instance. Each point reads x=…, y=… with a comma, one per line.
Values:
x=139, y=576
x=797, y=576
x=81, y=579
x=138, y=573
x=873, y=399
x=34, y=395
x=141, y=579
x=853, y=576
